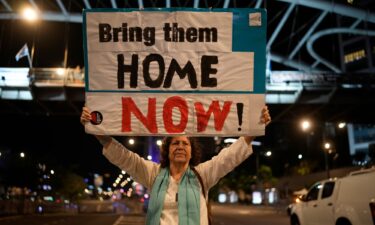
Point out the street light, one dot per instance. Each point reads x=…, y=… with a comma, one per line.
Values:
x=305, y=125
x=327, y=149
x=257, y=153
x=29, y=14
x=328, y=133
x=341, y=125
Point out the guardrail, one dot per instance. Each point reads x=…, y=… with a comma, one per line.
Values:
x=42, y=83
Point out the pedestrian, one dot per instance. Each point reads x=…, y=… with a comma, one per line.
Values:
x=179, y=184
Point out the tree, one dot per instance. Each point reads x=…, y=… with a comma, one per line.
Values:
x=70, y=185
x=305, y=167
x=265, y=176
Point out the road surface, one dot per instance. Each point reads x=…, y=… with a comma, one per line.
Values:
x=222, y=215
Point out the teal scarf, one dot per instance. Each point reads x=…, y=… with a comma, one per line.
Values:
x=188, y=198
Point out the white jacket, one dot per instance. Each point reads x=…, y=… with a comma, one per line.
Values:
x=144, y=172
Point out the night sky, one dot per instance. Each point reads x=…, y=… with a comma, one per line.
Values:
x=49, y=38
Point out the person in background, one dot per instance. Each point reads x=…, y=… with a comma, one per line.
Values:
x=180, y=183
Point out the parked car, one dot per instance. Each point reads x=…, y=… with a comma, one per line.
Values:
x=339, y=201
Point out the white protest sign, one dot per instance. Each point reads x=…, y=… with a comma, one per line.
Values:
x=181, y=72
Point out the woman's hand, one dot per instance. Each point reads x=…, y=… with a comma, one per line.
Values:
x=85, y=118
x=85, y=115
x=265, y=119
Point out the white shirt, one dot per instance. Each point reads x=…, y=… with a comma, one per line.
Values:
x=169, y=214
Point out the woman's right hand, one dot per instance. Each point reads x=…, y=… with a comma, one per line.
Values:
x=85, y=115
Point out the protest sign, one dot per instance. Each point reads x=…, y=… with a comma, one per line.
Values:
x=193, y=72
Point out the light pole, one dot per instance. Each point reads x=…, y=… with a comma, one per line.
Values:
x=328, y=135
x=267, y=154
x=31, y=15
x=306, y=127
x=327, y=148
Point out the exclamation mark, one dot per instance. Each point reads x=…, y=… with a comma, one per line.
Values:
x=239, y=113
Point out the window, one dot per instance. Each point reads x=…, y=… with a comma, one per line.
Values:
x=313, y=193
x=355, y=56
x=328, y=189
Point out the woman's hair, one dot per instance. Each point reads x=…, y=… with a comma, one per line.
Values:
x=195, y=152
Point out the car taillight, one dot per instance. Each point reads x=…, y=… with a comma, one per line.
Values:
x=372, y=207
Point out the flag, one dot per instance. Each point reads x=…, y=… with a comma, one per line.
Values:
x=24, y=51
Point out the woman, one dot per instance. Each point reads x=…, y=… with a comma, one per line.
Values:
x=179, y=184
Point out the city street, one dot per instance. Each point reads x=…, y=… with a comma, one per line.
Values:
x=249, y=215
x=222, y=215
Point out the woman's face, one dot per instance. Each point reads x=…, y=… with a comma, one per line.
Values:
x=180, y=150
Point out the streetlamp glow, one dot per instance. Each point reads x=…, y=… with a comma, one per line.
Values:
x=60, y=71
x=52, y=172
x=159, y=142
x=327, y=145
x=305, y=125
x=341, y=125
x=131, y=141
x=299, y=156
x=268, y=153
x=29, y=14
x=22, y=155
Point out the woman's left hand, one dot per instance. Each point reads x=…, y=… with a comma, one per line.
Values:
x=265, y=119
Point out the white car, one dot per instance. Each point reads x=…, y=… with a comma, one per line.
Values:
x=339, y=201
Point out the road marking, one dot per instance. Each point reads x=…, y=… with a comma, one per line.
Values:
x=130, y=220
